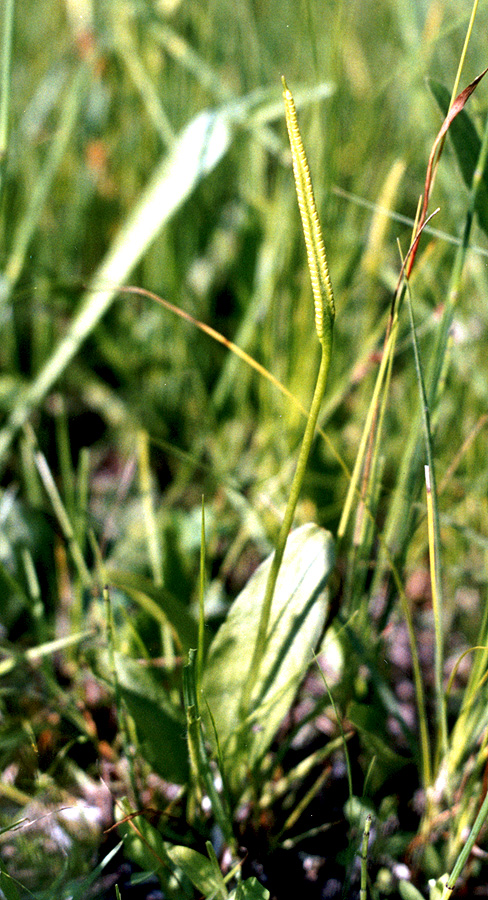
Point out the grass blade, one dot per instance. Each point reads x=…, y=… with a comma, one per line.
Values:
x=434, y=540
x=5, y=70
x=197, y=151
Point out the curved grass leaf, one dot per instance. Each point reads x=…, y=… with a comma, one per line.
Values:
x=199, y=869
x=197, y=151
x=467, y=146
x=146, y=847
x=8, y=887
x=250, y=889
x=407, y=891
x=298, y=615
x=159, y=603
x=160, y=725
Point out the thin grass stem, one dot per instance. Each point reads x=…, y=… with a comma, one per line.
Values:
x=341, y=729
x=360, y=456
x=437, y=606
x=63, y=520
x=287, y=522
x=152, y=537
x=409, y=482
x=74, y=103
x=201, y=605
x=363, y=893
x=464, y=51
x=5, y=73
x=434, y=543
x=465, y=852
x=198, y=755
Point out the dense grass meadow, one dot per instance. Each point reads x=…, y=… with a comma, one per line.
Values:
x=184, y=714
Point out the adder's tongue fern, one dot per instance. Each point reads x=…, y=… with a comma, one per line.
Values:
x=324, y=320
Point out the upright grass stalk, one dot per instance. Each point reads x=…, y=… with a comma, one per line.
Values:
x=467, y=848
x=363, y=893
x=5, y=70
x=201, y=608
x=468, y=719
x=64, y=456
x=407, y=486
x=460, y=259
x=64, y=521
x=152, y=536
x=119, y=703
x=469, y=32
x=437, y=604
x=199, y=760
x=434, y=544
x=324, y=320
x=73, y=105
x=366, y=460
x=371, y=432
x=354, y=489
x=127, y=50
x=370, y=436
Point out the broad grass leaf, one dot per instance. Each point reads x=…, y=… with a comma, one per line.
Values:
x=14, y=598
x=197, y=151
x=438, y=890
x=161, y=727
x=298, y=616
x=369, y=722
x=159, y=603
x=8, y=888
x=250, y=889
x=467, y=146
x=145, y=845
x=407, y=891
x=198, y=868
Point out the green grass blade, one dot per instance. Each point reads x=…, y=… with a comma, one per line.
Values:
x=5, y=71
x=63, y=519
x=73, y=105
x=434, y=542
x=197, y=151
x=34, y=654
x=157, y=602
x=137, y=72
x=353, y=489
x=363, y=893
x=8, y=886
x=201, y=607
x=466, y=851
x=202, y=872
x=399, y=519
x=198, y=753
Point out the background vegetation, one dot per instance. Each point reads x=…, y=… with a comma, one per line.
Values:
x=119, y=414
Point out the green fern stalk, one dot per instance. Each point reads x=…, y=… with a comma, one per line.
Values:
x=324, y=321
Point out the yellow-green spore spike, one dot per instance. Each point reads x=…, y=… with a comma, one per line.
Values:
x=317, y=261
